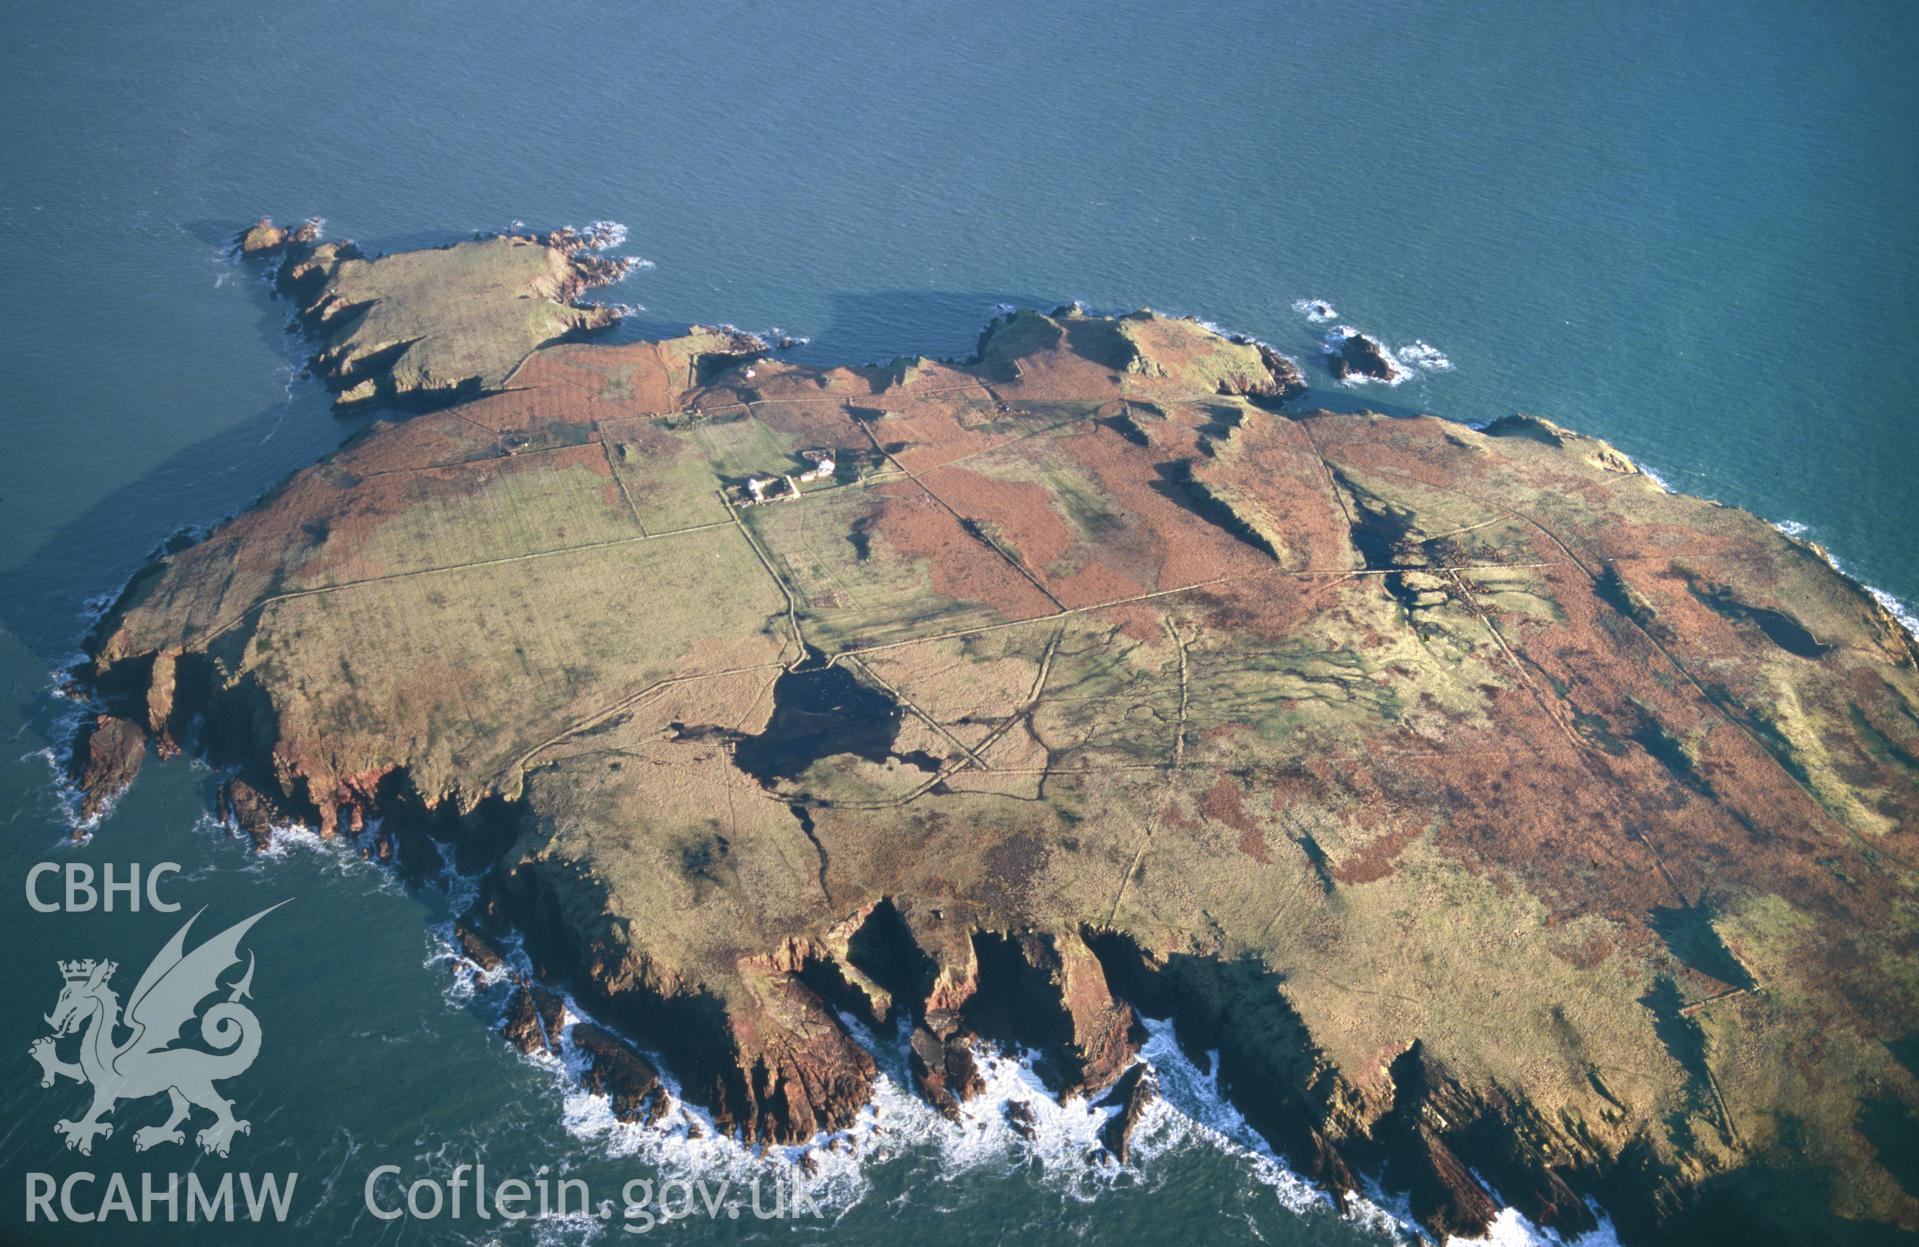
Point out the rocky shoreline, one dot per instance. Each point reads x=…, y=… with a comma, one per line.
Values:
x=1350, y=592
x=1456, y=1157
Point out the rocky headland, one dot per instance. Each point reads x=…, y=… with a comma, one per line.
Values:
x=426, y=328
x=1514, y=831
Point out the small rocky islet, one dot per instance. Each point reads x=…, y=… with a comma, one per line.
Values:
x=1515, y=831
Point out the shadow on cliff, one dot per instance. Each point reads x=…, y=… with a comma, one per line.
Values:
x=877, y=326
x=224, y=473
x=1324, y=394
x=43, y=596
x=1785, y=1201
x=219, y=475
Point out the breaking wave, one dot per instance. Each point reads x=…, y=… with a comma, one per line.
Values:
x=1015, y=1124
x=1897, y=609
x=1901, y=613
x=1404, y=362
x=346, y=854
x=1422, y=354
x=1652, y=476
x=1192, y=1109
x=1511, y=1228
x=604, y=235
x=1059, y=1139
x=1335, y=341
x=601, y=235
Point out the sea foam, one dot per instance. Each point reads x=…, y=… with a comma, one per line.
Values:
x=1424, y=355
x=1336, y=340
x=1511, y=1228
x=1897, y=609
x=1653, y=476
x=602, y=235
x=1901, y=613
x=1063, y=1140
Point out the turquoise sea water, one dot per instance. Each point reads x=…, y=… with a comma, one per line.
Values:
x=1683, y=230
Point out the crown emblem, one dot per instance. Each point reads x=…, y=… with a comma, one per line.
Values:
x=81, y=971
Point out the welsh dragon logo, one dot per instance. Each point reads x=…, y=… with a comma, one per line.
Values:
x=146, y=1062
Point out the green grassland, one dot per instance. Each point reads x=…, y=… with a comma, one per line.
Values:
x=451, y=320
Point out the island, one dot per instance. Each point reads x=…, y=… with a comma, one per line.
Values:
x=1507, y=829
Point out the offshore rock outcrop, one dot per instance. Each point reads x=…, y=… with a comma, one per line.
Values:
x=534, y=1020
x=478, y=948
x=1353, y=355
x=1425, y=775
x=1134, y=1094
x=944, y=1069
x=263, y=237
x=253, y=812
x=628, y=1080
x=106, y=756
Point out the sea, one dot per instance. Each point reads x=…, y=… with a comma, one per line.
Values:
x=1684, y=227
